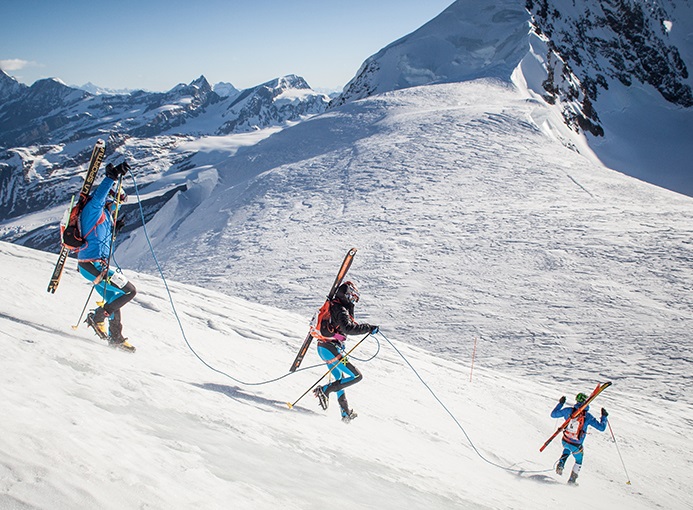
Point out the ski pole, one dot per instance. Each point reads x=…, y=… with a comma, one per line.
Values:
x=104, y=274
x=619, y=453
x=86, y=303
x=291, y=406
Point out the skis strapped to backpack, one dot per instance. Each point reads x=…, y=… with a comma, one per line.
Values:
x=600, y=387
x=346, y=264
x=94, y=163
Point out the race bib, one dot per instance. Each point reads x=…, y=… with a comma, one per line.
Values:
x=119, y=280
x=572, y=431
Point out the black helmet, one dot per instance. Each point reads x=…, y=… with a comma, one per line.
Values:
x=348, y=292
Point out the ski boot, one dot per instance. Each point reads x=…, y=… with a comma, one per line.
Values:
x=559, y=468
x=573, y=478
x=96, y=320
x=120, y=342
x=322, y=397
x=347, y=417
x=347, y=414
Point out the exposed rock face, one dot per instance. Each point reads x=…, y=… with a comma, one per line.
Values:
x=592, y=43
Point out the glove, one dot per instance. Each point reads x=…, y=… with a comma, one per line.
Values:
x=119, y=225
x=604, y=413
x=374, y=330
x=115, y=172
x=561, y=400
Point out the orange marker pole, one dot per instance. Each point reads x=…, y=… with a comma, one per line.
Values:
x=471, y=371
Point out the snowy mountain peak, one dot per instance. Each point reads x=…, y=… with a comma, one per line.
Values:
x=605, y=67
x=49, y=94
x=202, y=84
x=224, y=89
x=96, y=90
x=470, y=39
x=275, y=102
x=199, y=86
x=51, y=86
x=590, y=43
x=288, y=81
x=9, y=87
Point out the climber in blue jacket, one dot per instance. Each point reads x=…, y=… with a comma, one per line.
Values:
x=96, y=226
x=575, y=432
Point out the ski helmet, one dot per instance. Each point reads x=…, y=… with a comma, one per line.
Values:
x=351, y=292
x=580, y=398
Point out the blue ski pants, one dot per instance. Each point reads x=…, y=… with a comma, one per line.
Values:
x=575, y=449
x=344, y=373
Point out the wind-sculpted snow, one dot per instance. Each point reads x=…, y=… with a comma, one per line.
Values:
x=470, y=222
x=89, y=427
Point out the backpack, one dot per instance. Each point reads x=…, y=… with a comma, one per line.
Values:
x=70, y=234
x=321, y=326
x=574, y=430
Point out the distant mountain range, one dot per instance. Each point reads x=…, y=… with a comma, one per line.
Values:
x=222, y=88
x=50, y=112
x=47, y=129
x=615, y=73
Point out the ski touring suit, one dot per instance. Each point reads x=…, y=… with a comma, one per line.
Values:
x=574, y=435
x=332, y=351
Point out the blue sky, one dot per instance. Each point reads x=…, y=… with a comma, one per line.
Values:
x=156, y=44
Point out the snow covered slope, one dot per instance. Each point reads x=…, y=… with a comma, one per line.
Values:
x=470, y=221
x=87, y=427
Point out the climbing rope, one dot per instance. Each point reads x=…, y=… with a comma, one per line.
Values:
x=457, y=422
x=221, y=372
x=180, y=324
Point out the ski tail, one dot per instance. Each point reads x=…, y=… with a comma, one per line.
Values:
x=600, y=387
x=343, y=269
x=97, y=155
x=301, y=353
x=58, y=270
